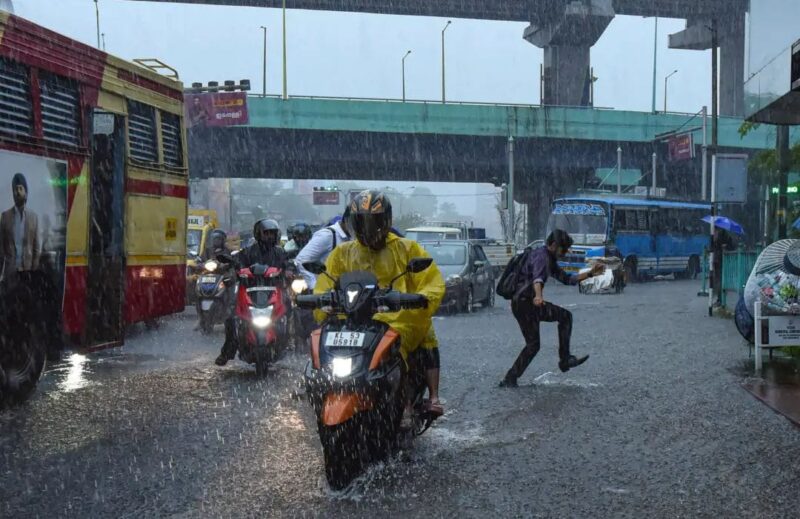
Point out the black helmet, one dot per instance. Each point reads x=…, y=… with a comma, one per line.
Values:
x=301, y=232
x=218, y=239
x=267, y=231
x=371, y=218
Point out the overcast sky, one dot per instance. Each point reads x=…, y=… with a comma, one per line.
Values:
x=359, y=55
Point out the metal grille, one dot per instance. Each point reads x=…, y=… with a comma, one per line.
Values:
x=171, y=139
x=16, y=111
x=60, y=111
x=142, y=132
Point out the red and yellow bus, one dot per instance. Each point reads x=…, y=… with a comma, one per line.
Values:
x=101, y=145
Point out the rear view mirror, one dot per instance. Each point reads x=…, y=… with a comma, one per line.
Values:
x=419, y=264
x=478, y=264
x=314, y=267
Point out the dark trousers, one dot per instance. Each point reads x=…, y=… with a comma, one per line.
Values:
x=529, y=316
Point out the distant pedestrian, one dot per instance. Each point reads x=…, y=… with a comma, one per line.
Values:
x=530, y=308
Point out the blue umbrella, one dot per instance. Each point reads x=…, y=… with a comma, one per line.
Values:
x=796, y=224
x=723, y=222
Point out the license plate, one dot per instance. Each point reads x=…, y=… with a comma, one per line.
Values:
x=205, y=304
x=208, y=279
x=347, y=339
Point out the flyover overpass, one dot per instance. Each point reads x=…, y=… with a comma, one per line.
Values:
x=567, y=29
x=557, y=149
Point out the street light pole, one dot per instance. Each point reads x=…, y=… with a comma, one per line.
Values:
x=285, y=94
x=704, y=167
x=443, y=77
x=714, y=275
x=264, y=66
x=665, y=88
x=655, y=168
x=97, y=17
x=655, y=61
x=511, y=217
x=619, y=169
x=403, y=62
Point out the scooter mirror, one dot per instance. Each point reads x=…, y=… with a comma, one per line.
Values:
x=314, y=267
x=419, y=264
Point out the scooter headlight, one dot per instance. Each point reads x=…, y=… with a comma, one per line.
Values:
x=342, y=366
x=299, y=285
x=211, y=265
x=262, y=317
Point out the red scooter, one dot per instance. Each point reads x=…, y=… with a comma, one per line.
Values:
x=262, y=306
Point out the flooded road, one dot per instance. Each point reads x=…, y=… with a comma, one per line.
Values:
x=655, y=423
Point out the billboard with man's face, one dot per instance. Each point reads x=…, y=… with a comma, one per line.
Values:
x=216, y=109
x=33, y=218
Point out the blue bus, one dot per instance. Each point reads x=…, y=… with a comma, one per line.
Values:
x=651, y=236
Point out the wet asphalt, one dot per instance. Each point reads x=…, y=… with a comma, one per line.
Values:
x=655, y=424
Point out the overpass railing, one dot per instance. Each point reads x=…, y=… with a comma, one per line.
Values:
x=426, y=101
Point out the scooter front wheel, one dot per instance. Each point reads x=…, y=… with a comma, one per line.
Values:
x=341, y=454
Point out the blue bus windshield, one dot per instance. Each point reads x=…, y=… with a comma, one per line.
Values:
x=586, y=222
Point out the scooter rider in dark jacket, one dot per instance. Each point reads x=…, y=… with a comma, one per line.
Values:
x=216, y=245
x=264, y=251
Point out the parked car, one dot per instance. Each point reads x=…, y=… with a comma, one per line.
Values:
x=468, y=275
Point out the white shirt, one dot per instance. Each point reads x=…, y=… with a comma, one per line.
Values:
x=19, y=233
x=318, y=248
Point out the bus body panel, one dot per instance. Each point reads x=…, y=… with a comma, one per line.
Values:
x=155, y=195
x=655, y=249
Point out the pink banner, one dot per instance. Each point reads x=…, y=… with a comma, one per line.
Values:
x=217, y=109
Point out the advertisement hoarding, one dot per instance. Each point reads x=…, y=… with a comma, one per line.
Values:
x=216, y=109
x=35, y=187
x=326, y=197
x=681, y=147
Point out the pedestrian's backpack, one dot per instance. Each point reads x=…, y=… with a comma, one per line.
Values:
x=509, y=284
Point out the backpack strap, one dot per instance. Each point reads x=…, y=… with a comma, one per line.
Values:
x=333, y=232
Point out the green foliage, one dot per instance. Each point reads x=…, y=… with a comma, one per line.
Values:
x=747, y=127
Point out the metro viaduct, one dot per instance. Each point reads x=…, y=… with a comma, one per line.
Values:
x=557, y=149
x=567, y=29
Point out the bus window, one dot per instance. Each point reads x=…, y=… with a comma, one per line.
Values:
x=171, y=139
x=632, y=220
x=142, y=132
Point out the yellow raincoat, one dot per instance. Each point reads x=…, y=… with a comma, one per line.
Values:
x=414, y=326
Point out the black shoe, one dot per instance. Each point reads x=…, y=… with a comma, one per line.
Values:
x=508, y=382
x=571, y=362
x=221, y=360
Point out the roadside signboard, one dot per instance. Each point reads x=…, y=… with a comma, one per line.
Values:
x=731, y=178
x=326, y=197
x=216, y=109
x=681, y=147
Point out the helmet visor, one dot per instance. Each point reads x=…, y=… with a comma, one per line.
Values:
x=371, y=229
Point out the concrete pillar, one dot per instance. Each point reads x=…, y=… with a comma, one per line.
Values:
x=566, y=75
x=697, y=36
x=566, y=31
x=731, y=73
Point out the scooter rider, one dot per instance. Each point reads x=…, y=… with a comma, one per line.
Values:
x=264, y=251
x=386, y=255
x=216, y=245
x=321, y=244
x=301, y=234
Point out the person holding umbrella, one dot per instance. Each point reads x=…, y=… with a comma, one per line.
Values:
x=722, y=240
